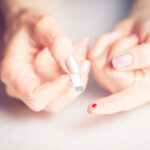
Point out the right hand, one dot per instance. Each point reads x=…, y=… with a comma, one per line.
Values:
x=38, y=61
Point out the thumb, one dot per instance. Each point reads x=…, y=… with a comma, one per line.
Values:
x=123, y=101
x=48, y=33
x=131, y=59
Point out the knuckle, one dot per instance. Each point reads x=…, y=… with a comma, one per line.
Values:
x=17, y=81
x=45, y=20
x=33, y=102
x=35, y=105
x=2, y=76
x=59, y=40
x=9, y=91
x=98, y=63
x=5, y=71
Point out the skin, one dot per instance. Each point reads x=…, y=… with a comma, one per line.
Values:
x=129, y=85
x=33, y=67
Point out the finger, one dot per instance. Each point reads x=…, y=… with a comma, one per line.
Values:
x=103, y=42
x=12, y=92
x=46, y=66
x=37, y=95
x=70, y=95
x=134, y=58
x=142, y=29
x=59, y=45
x=124, y=44
x=34, y=93
x=126, y=26
x=147, y=40
x=18, y=71
x=122, y=29
x=81, y=48
x=30, y=89
x=126, y=100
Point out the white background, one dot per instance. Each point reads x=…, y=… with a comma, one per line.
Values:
x=74, y=129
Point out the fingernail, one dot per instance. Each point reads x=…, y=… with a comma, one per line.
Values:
x=85, y=42
x=72, y=65
x=94, y=105
x=122, y=61
x=87, y=66
x=133, y=35
x=117, y=32
x=81, y=46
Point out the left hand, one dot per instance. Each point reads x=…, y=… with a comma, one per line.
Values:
x=121, y=65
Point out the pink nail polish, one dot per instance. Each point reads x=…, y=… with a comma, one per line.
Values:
x=94, y=105
x=117, y=32
x=82, y=46
x=86, y=41
x=122, y=61
x=133, y=35
x=72, y=65
x=87, y=66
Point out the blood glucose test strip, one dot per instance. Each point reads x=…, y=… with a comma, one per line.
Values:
x=77, y=83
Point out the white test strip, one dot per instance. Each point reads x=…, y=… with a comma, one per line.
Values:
x=77, y=83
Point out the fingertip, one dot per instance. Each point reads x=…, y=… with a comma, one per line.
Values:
x=90, y=55
x=122, y=61
x=92, y=108
x=86, y=41
x=103, y=107
x=103, y=42
x=116, y=33
x=89, y=110
x=83, y=45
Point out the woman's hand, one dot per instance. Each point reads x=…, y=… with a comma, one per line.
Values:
x=121, y=65
x=38, y=61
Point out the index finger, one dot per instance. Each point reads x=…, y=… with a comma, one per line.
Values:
x=48, y=32
x=18, y=69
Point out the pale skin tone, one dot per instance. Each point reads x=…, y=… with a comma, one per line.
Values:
x=33, y=67
x=126, y=77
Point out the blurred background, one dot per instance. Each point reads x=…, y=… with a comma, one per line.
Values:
x=74, y=129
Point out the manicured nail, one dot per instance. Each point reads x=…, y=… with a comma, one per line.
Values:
x=94, y=105
x=72, y=65
x=87, y=66
x=85, y=42
x=117, y=32
x=122, y=61
x=133, y=35
x=81, y=46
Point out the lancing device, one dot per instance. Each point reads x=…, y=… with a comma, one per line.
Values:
x=77, y=83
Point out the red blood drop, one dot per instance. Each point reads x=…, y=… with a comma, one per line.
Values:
x=94, y=105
